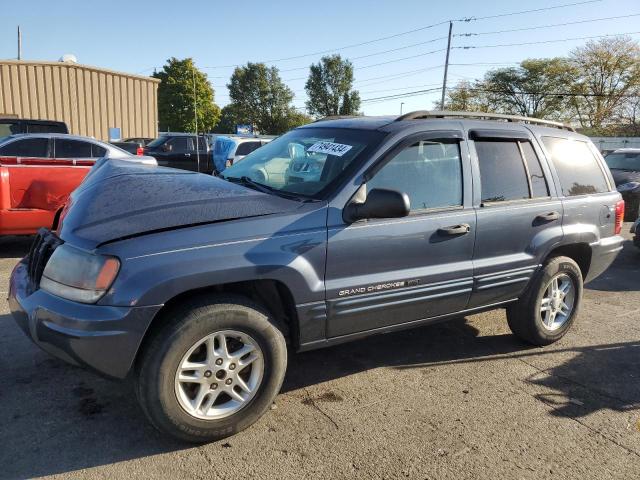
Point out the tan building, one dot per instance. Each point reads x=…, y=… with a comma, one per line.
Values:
x=90, y=100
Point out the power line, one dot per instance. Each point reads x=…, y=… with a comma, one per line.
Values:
x=407, y=32
x=472, y=34
x=499, y=92
x=534, y=10
x=467, y=47
x=374, y=54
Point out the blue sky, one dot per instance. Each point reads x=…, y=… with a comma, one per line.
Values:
x=135, y=36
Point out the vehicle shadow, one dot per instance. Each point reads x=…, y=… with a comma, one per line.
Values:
x=624, y=273
x=603, y=376
x=57, y=418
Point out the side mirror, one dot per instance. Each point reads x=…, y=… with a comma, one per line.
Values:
x=167, y=147
x=380, y=203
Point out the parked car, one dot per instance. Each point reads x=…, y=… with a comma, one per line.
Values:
x=230, y=149
x=39, y=171
x=12, y=126
x=194, y=285
x=178, y=150
x=624, y=164
x=140, y=140
x=132, y=148
x=635, y=229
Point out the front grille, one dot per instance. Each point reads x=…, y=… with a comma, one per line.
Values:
x=41, y=249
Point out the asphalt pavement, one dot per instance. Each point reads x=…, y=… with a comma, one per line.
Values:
x=458, y=400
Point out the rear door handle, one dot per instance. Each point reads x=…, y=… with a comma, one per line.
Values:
x=548, y=217
x=461, y=229
x=187, y=154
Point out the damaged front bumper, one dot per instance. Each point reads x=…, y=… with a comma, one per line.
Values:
x=102, y=338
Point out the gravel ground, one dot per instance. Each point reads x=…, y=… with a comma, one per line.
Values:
x=457, y=400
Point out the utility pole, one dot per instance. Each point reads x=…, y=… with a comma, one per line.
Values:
x=446, y=68
x=401, y=104
x=195, y=115
x=19, y=43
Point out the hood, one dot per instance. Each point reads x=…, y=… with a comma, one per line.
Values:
x=121, y=199
x=625, y=176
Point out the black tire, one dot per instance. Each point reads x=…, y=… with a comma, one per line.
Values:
x=524, y=316
x=185, y=326
x=632, y=210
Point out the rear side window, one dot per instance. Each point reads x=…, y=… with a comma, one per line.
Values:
x=9, y=128
x=45, y=128
x=72, y=149
x=246, y=148
x=502, y=171
x=577, y=167
x=97, y=151
x=29, y=147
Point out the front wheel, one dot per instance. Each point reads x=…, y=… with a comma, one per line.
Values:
x=550, y=305
x=212, y=370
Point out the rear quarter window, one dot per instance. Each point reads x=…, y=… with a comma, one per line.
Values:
x=578, y=168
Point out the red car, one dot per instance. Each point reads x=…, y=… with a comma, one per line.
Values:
x=39, y=171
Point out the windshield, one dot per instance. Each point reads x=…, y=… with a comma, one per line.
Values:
x=305, y=161
x=156, y=142
x=623, y=161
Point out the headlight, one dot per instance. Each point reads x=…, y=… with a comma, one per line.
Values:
x=77, y=275
x=627, y=187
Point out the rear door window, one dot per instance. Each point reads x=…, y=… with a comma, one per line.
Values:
x=179, y=144
x=245, y=148
x=502, y=171
x=29, y=147
x=65, y=148
x=577, y=166
x=539, y=187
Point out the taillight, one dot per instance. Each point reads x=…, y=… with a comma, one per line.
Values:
x=140, y=151
x=619, y=217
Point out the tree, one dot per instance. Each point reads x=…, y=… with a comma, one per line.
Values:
x=608, y=75
x=176, y=97
x=530, y=89
x=329, y=88
x=260, y=98
x=466, y=97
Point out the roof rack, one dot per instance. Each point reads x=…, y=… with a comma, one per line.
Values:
x=424, y=114
x=334, y=117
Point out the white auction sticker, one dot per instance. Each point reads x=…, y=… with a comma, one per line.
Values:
x=337, y=149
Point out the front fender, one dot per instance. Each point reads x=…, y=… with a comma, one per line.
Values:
x=291, y=251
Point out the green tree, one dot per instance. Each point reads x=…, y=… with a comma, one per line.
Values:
x=466, y=97
x=608, y=77
x=530, y=89
x=260, y=98
x=176, y=104
x=329, y=88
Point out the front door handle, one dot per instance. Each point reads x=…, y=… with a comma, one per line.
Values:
x=453, y=230
x=187, y=154
x=548, y=217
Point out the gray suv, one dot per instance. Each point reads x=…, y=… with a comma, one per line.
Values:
x=195, y=286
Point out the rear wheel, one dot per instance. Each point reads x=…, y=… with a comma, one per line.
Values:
x=212, y=370
x=550, y=305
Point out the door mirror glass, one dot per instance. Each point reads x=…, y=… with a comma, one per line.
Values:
x=167, y=147
x=380, y=203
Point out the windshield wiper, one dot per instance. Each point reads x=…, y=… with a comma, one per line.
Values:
x=261, y=187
